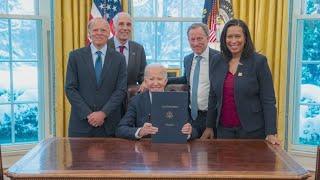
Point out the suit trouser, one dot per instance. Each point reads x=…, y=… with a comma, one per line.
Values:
x=239, y=133
x=94, y=132
x=200, y=123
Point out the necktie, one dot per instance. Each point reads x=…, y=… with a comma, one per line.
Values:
x=194, y=93
x=121, y=48
x=98, y=66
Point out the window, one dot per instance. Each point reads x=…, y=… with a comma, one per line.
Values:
x=161, y=27
x=23, y=85
x=304, y=109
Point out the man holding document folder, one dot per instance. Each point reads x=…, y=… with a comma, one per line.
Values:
x=137, y=122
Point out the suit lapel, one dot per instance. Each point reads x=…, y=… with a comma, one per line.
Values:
x=87, y=58
x=243, y=67
x=220, y=74
x=188, y=66
x=111, y=43
x=146, y=105
x=211, y=60
x=131, y=59
x=148, y=102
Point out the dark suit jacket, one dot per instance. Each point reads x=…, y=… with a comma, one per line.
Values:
x=85, y=96
x=136, y=63
x=185, y=79
x=138, y=113
x=253, y=93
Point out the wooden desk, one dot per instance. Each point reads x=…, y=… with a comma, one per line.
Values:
x=93, y=158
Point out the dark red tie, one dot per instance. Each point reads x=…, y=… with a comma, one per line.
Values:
x=121, y=48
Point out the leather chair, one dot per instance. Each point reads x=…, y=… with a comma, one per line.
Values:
x=1, y=169
x=317, y=173
x=177, y=87
x=132, y=91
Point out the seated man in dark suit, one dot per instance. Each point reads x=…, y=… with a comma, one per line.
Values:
x=136, y=122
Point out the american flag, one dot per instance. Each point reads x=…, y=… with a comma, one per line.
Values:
x=209, y=17
x=106, y=9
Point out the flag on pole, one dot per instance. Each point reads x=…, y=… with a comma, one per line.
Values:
x=209, y=17
x=215, y=14
x=106, y=9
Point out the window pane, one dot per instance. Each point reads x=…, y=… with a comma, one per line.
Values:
x=144, y=33
x=24, y=39
x=26, y=122
x=4, y=42
x=310, y=93
x=25, y=7
x=311, y=43
x=185, y=43
x=192, y=8
x=4, y=83
x=3, y=7
x=169, y=38
x=169, y=8
x=310, y=74
x=5, y=124
x=309, y=116
x=25, y=81
x=309, y=126
x=161, y=33
x=312, y=7
x=143, y=8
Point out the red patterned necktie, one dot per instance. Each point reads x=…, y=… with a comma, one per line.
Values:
x=121, y=48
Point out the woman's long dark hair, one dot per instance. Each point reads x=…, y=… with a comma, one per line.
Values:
x=248, y=48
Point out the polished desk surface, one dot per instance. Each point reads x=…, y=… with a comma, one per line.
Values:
x=67, y=158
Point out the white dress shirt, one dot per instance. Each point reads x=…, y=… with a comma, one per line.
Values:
x=204, y=83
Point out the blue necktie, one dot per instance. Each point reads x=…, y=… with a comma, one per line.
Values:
x=194, y=93
x=98, y=66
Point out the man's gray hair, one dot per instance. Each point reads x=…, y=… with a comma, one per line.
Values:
x=204, y=27
x=116, y=18
x=158, y=66
x=93, y=21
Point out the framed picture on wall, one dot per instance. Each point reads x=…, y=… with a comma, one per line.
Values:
x=173, y=72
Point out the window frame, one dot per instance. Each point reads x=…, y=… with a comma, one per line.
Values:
x=12, y=152
x=155, y=19
x=305, y=154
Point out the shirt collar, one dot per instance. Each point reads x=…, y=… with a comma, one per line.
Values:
x=117, y=43
x=94, y=49
x=204, y=54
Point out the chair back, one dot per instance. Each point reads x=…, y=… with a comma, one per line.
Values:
x=317, y=174
x=134, y=89
x=131, y=92
x=177, y=87
x=1, y=169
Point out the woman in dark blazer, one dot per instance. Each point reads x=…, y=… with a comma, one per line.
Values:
x=241, y=100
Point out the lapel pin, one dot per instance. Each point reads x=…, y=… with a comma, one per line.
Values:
x=240, y=74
